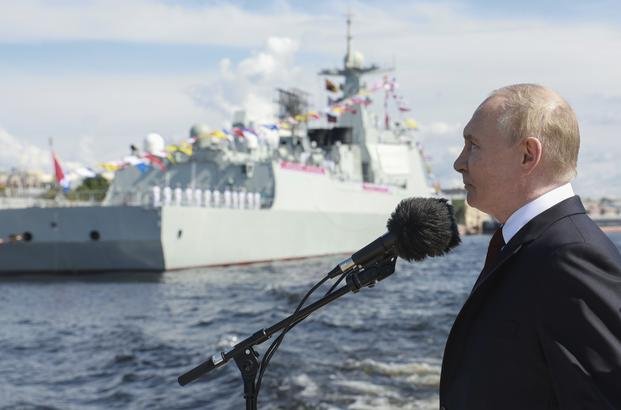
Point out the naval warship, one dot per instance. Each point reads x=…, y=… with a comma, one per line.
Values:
x=315, y=191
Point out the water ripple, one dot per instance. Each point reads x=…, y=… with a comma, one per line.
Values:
x=120, y=341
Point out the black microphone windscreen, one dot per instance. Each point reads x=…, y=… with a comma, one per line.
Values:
x=423, y=227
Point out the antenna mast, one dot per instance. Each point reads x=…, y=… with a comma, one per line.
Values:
x=349, y=37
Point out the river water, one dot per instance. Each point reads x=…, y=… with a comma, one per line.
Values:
x=119, y=341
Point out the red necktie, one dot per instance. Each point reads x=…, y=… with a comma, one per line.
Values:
x=493, y=251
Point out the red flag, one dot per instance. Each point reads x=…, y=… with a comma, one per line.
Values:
x=238, y=132
x=58, y=170
x=153, y=159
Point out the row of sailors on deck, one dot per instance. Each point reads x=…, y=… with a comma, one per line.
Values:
x=205, y=198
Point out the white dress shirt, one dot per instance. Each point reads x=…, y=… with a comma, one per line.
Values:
x=538, y=205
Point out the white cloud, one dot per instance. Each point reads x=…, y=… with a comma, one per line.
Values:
x=22, y=155
x=447, y=61
x=140, y=21
x=598, y=172
x=26, y=156
x=454, y=150
x=441, y=128
x=282, y=46
x=95, y=117
x=86, y=149
x=250, y=84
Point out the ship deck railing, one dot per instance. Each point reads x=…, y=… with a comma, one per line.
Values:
x=29, y=198
x=15, y=200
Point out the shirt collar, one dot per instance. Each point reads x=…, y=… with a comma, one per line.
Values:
x=538, y=205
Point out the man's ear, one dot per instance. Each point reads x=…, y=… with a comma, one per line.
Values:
x=532, y=151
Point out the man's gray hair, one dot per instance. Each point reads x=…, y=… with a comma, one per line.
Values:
x=531, y=110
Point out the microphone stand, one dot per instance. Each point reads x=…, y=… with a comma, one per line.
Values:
x=245, y=356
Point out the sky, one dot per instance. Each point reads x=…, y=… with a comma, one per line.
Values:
x=97, y=76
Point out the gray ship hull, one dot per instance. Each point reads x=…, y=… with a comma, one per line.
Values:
x=61, y=239
x=167, y=238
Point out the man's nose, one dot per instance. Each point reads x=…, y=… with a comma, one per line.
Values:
x=460, y=163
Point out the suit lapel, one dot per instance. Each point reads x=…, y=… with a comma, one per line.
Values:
x=531, y=231
x=507, y=252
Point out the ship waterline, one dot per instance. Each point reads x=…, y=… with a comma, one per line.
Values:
x=188, y=237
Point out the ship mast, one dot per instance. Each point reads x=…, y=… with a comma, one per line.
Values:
x=349, y=37
x=352, y=68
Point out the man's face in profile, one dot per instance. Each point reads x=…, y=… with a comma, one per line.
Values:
x=487, y=162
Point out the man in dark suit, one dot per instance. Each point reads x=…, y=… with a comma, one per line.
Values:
x=541, y=328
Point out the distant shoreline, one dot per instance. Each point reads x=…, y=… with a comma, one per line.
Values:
x=611, y=228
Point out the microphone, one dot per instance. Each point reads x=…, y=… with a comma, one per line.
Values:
x=417, y=228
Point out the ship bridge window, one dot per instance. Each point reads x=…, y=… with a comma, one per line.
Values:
x=326, y=137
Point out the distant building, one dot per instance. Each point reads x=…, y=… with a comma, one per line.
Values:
x=18, y=181
x=471, y=220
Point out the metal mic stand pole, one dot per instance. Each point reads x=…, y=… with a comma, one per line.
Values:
x=245, y=356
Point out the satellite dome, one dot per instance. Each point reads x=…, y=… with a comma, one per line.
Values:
x=356, y=60
x=154, y=143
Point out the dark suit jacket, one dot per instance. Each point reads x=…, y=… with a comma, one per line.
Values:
x=541, y=330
